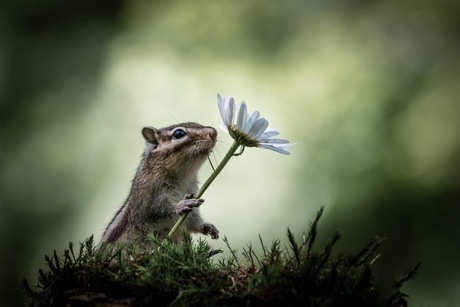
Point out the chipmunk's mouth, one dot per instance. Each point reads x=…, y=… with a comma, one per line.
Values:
x=205, y=151
x=205, y=147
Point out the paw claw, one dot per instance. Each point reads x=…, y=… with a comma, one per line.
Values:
x=209, y=229
x=188, y=203
x=189, y=196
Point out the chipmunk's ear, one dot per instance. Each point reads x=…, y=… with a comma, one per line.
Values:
x=150, y=135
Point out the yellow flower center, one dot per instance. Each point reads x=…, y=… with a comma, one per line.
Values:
x=241, y=137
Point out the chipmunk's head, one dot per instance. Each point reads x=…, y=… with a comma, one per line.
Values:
x=178, y=148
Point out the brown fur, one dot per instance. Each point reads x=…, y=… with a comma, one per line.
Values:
x=167, y=172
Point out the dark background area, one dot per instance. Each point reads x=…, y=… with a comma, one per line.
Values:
x=392, y=158
x=45, y=46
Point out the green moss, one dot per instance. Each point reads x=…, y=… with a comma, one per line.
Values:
x=186, y=275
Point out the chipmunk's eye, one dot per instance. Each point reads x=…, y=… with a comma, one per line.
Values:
x=179, y=133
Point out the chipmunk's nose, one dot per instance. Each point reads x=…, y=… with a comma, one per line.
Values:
x=212, y=133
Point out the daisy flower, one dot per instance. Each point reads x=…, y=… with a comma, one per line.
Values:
x=249, y=131
x=246, y=131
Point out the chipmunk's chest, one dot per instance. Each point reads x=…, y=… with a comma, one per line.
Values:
x=163, y=227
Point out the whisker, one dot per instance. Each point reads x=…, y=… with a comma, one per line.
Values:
x=210, y=162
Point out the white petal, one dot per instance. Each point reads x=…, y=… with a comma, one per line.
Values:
x=231, y=111
x=258, y=128
x=269, y=132
x=254, y=116
x=273, y=141
x=279, y=149
x=223, y=127
x=222, y=107
x=242, y=117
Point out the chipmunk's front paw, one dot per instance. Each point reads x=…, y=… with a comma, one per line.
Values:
x=188, y=203
x=209, y=229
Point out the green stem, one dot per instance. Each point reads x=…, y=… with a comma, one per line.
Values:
x=205, y=186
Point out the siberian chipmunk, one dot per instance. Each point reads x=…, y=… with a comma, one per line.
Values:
x=164, y=187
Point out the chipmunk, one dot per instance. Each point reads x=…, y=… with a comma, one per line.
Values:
x=164, y=187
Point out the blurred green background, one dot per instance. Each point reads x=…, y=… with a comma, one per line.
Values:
x=369, y=91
